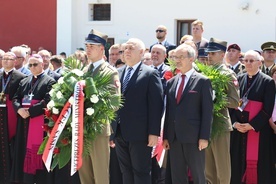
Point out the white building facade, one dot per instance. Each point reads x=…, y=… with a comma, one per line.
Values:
x=249, y=23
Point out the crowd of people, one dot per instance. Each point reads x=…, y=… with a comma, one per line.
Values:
x=163, y=133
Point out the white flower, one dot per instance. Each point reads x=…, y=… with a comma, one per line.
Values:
x=214, y=95
x=51, y=104
x=78, y=72
x=89, y=111
x=60, y=80
x=71, y=100
x=59, y=95
x=55, y=110
x=51, y=92
x=94, y=98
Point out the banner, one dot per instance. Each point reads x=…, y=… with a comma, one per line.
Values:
x=55, y=134
x=77, y=128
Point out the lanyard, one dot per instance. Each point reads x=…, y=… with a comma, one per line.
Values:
x=4, y=85
x=30, y=94
x=248, y=90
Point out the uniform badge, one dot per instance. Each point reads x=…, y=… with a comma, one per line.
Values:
x=117, y=83
x=236, y=83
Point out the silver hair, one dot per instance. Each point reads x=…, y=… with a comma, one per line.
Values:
x=19, y=49
x=190, y=50
x=255, y=54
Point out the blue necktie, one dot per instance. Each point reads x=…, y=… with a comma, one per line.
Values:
x=126, y=79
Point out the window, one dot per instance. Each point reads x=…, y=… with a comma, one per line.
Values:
x=184, y=27
x=100, y=12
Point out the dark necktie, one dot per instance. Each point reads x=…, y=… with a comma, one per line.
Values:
x=90, y=68
x=126, y=79
x=267, y=71
x=232, y=68
x=180, y=89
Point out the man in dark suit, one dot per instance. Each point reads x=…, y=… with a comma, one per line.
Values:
x=158, y=55
x=269, y=54
x=46, y=60
x=189, y=113
x=138, y=122
x=161, y=33
x=95, y=167
x=9, y=82
x=251, y=150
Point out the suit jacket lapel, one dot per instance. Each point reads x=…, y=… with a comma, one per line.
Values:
x=174, y=86
x=187, y=86
x=134, y=77
x=122, y=74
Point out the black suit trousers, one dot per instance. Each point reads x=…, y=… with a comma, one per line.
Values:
x=134, y=159
x=114, y=168
x=184, y=156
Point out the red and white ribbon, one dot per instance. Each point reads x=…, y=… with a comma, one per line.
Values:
x=77, y=127
x=55, y=134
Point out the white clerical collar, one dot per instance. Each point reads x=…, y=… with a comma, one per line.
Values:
x=7, y=72
x=35, y=76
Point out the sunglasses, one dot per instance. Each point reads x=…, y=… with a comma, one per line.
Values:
x=34, y=65
x=159, y=30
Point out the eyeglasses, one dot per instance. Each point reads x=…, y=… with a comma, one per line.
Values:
x=7, y=59
x=159, y=30
x=45, y=57
x=17, y=57
x=34, y=65
x=179, y=57
x=249, y=60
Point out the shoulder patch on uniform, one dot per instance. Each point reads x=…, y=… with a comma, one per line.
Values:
x=236, y=83
x=117, y=83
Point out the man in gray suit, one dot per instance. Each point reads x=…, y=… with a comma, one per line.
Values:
x=189, y=114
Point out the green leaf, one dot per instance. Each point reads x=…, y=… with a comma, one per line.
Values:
x=42, y=146
x=54, y=162
x=66, y=155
